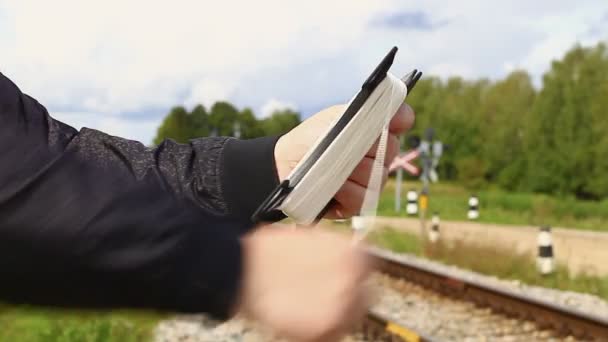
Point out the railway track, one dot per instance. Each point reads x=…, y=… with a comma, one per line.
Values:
x=378, y=327
x=417, y=302
x=561, y=321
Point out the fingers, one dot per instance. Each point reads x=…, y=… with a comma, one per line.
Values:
x=355, y=296
x=350, y=197
x=338, y=212
x=403, y=120
x=359, y=293
x=365, y=265
x=351, y=194
x=363, y=171
x=392, y=149
x=328, y=288
x=353, y=314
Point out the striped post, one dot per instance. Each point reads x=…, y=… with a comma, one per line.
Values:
x=545, y=261
x=434, y=232
x=473, y=213
x=358, y=223
x=412, y=203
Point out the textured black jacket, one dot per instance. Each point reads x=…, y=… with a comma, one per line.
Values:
x=92, y=220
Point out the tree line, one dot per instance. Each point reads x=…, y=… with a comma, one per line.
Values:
x=223, y=119
x=507, y=132
x=550, y=140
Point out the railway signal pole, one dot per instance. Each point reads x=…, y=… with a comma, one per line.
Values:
x=398, y=184
x=237, y=130
x=430, y=152
x=403, y=161
x=425, y=153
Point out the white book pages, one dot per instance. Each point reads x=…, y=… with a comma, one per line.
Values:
x=332, y=169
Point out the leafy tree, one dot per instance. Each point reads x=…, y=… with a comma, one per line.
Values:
x=452, y=109
x=280, y=122
x=250, y=126
x=200, y=122
x=598, y=110
x=564, y=130
x=177, y=126
x=504, y=109
x=222, y=118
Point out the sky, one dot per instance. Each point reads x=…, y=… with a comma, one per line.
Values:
x=119, y=66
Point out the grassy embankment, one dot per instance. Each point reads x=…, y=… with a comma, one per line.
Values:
x=498, y=262
x=499, y=206
x=29, y=324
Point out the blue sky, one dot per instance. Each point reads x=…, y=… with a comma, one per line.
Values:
x=118, y=66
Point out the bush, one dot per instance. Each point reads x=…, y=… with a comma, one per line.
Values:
x=471, y=172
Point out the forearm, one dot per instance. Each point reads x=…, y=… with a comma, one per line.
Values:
x=226, y=176
x=100, y=246
x=80, y=226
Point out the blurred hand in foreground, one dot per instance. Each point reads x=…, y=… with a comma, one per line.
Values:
x=307, y=285
x=293, y=146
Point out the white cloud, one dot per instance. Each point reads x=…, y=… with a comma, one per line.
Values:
x=209, y=91
x=560, y=33
x=274, y=105
x=449, y=69
x=115, y=58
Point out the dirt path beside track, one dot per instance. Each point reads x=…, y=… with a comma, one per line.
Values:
x=580, y=251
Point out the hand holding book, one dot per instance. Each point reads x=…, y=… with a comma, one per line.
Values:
x=327, y=170
x=293, y=146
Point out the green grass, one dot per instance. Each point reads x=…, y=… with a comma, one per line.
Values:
x=396, y=241
x=499, y=206
x=25, y=323
x=495, y=261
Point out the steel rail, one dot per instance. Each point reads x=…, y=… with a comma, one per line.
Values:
x=545, y=314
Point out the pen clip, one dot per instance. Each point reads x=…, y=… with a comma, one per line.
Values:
x=411, y=79
x=265, y=210
x=380, y=72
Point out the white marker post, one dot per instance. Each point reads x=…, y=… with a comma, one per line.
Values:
x=412, y=203
x=434, y=232
x=358, y=223
x=545, y=261
x=473, y=213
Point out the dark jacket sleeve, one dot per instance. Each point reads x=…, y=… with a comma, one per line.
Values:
x=224, y=176
x=91, y=220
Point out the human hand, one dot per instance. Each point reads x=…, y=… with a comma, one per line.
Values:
x=306, y=285
x=293, y=146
